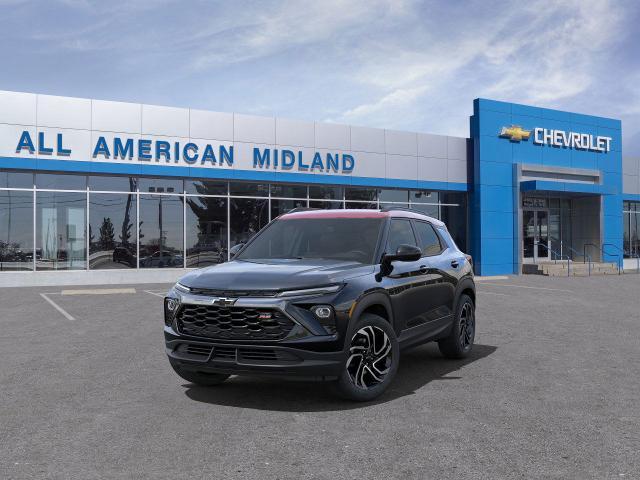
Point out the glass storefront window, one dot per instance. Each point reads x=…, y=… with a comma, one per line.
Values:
x=278, y=207
x=161, y=231
x=206, y=219
x=326, y=192
x=57, y=181
x=16, y=180
x=205, y=187
x=247, y=217
x=289, y=191
x=363, y=194
x=16, y=230
x=424, y=196
x=61, y=231
x=325, y=205
x=393, y=195
x=428, y=209
x=160, y=185
x=246, y=189
x=112, y=231
x=359, y=205
x=631, y=218
x=113, y=184
x=394, y=205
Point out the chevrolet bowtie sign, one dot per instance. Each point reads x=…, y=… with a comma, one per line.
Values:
x=515, y=133
x=558, y=138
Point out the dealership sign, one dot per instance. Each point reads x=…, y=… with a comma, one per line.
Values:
x=558, y=138
x=188, y=153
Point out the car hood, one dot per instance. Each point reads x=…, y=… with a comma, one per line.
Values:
x=274, y=274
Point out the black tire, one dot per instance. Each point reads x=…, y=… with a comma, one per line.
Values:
x=367, y=375
x=460, y=341
x=199, y=378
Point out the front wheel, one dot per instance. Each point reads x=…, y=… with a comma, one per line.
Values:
x=199, y=378
x=460, y=341
x=372, y=360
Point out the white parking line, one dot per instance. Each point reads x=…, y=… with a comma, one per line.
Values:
x=161, y=295
x=483, y=292
x=99, y=291
x=526, y=286
x=57, y=307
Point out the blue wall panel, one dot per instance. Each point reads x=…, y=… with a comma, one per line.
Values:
x=494, y=199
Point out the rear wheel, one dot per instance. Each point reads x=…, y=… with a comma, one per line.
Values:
x=372, y=360
x=199, y=378
x=460, y=341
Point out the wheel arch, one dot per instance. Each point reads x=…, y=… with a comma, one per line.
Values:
x=377, y=303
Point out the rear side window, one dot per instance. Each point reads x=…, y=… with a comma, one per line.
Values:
x=400, y=233
x=428, y=239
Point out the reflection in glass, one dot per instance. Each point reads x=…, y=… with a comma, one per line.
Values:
x=325, y=205
x=247, y=189
x=61, y=231
x=205, y=187
x=248, y=216
x=113, y=184
x=394, y=205
x=206, y=231
x=289, y=191
x=361, y=205
x=278, y=207
x=393, y=195
x=161, y=231
x=455, y=217
x=16, y=230
x=16, y=180
x=364, y=194
x=427, y=209
x=112, y=231
x=322, y=192
x=58, y=181
x=423, y=196
x=160, y=185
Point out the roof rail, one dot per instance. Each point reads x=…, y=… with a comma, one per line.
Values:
x=301, y=209
x=405, y=209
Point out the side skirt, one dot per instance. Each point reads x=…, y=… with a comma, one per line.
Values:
x=426, y=332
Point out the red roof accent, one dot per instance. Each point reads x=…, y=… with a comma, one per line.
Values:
x=353, y=213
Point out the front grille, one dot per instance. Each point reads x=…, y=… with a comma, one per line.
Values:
x=233, y=323
x=209, y=292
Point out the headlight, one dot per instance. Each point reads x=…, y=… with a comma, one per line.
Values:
x=311, y=291
x=182, y=288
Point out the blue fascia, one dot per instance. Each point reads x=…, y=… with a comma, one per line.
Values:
x=85, y=167
x=566, y=187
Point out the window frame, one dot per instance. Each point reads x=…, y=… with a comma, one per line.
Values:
x=388, y=235
x=443, y=244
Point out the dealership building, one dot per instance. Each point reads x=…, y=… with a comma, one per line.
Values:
x=103, y=192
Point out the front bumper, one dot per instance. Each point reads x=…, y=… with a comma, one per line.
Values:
x=236, y=358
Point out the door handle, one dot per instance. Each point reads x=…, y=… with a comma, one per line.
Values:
x=454, y=263
x=424, y=269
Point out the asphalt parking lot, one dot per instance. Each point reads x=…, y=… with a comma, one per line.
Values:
x=552, y=390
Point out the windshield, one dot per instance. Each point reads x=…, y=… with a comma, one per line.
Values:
x=349, y=239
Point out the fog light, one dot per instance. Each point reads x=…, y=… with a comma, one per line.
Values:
x=172, y=304
x=322, y=312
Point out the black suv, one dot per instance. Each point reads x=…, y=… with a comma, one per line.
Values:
x=326, y=294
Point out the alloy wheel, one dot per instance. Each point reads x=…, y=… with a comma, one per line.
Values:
x=370, y=357
x=467, y=326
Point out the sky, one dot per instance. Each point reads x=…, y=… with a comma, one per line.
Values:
x=398, y=64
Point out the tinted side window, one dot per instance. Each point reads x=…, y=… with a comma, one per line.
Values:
x=428, y=239
x=400, y=233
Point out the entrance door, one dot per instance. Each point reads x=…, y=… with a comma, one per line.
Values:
x=535, y=235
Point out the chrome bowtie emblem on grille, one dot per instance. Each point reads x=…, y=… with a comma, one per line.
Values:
x=224, y=302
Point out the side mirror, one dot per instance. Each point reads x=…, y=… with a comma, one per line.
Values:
x=233, y=251
x=404, y=253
